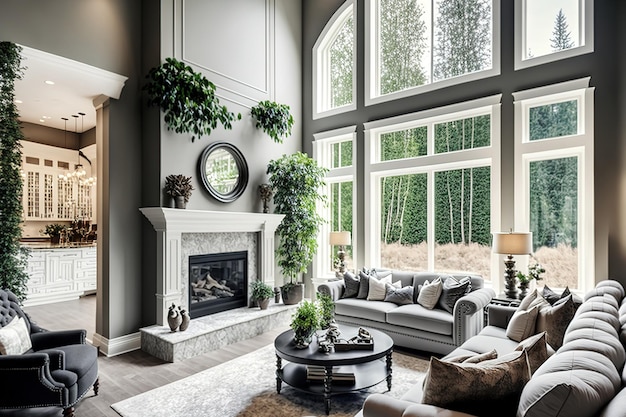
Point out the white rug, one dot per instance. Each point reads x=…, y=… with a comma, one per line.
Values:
x=246, y=386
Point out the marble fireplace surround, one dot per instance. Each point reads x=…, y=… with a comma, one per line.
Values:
x=181, y=233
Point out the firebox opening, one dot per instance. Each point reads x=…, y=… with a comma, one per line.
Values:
x=217, y=282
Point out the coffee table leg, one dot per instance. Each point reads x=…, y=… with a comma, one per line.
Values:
x=279, y=370
x=389, y=371
x=328, y=381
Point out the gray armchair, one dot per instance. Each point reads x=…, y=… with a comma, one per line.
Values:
x=57, y=372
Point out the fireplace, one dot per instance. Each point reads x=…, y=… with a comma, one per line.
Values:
x=217, y=282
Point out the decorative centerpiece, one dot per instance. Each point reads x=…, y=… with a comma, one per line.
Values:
x=179, y=188
x=54, y=231
x=265, y=191
x=177, y=318
x=304, y=323
x=534, y=272
x=261, y=293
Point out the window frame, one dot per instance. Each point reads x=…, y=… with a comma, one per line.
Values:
x=586, y=26
x=372, y=69
x=430, y=163
x=580, y=145
x=322, y=153
x=321, y=62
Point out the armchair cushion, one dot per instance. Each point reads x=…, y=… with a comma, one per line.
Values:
x=14, y=338
x=49, y=340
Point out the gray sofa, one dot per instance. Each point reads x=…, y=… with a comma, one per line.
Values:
x=413, y=326
x=585, y=377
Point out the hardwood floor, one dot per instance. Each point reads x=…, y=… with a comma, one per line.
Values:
x=132, y=373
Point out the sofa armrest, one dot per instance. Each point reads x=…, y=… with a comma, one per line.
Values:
x=379, y=405
x=50, y=340
x=333, y=288
x=469, y=314
x=500, y=315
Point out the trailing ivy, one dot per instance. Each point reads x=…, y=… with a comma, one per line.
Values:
x=274, y=119
x=187, y=98
x=13, y=256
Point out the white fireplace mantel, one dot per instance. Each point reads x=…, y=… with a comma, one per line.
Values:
x=170, y=224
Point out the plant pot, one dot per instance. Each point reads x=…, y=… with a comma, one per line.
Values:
x=55, y=239
x=302, y=340
x=264, y=303
x=523, y=289
x=292, y=294
x=179, y=202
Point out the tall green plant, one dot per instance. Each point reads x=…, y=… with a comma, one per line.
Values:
x=296, y=180
x=12, y=255
x=187, y=98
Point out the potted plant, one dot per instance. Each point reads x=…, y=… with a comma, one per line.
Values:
x=54, y=231
x=296, y=180
x=326, y=308
x=187, y=98
x=13, y=255
x=304, y=322
x=261, y=293
x=274, y=119
x=534, y=272
x=178, y=187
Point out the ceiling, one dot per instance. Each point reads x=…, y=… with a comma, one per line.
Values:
x=75, y=87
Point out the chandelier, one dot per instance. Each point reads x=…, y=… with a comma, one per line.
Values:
x=79, y=173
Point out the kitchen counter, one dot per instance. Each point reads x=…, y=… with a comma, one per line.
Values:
x=48, y=245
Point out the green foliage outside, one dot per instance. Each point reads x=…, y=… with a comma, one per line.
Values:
x=407, y=143
x=458, y=135
x=342, y=154
x=341, y=66
x=553, y=120
x=13, y=256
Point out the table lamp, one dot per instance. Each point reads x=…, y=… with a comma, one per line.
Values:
x=512, y=243
x=341, y=239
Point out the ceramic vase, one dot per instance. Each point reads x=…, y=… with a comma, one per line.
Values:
x=174, y=319
x=185, y=319
x=302, y=340
x=179, y=202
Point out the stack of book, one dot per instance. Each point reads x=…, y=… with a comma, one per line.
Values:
x=318, y=373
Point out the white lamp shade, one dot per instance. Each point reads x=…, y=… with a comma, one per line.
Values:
x=513, y=243
x=340, y=239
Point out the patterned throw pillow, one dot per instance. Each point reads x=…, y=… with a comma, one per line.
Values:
x=474, y=358
x=352, y=285
x=489, y=388
x=555, y=319
x=14, y=337
x=429, y=293
x=536, y=349
x=452, y=290
x=399, y=296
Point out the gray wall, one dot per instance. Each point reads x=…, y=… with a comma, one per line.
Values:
x=603, y=66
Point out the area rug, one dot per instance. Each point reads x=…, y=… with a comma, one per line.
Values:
x=246, y=387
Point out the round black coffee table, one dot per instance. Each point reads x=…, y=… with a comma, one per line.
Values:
x=369, y=367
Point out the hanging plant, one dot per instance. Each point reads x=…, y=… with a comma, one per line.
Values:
x=187, y=98
x=13, y=256
x=274, y=119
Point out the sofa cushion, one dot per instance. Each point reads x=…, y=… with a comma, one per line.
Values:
x=429, y=293
x=451, y=290
x=596, y=340
x=489, y=388
x=378, y=288
x=604, y=311
x=555, y=319
x=352, y=285
x=370, y=310
x=399, y=296
x=473, y=357
x=364, y=285
x=418, y=317
x=536, y=350
x=482, y=343
x=570, y=384
x=615, y=292
x=522, y=324
x=551, y=296
x=14, y=337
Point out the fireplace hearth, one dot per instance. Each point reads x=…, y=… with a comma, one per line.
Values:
x=217, y=282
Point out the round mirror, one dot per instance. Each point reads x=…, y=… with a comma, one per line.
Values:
x=224, y=171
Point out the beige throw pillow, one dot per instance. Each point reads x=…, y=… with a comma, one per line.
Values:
x=14, y=337
x=536, y=349
x=429, y=293
x=378, y=288
x=522, y=324
x=470, y=358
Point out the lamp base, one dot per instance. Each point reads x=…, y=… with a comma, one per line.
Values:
x=509, y=278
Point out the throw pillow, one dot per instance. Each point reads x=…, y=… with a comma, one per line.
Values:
x=399, y=296
x=522, y=324
x=555, y=319
x=352, y=285
x=474, y=358
x=429, y=293
x=489, y=388
x=378, y=288
x=552, y=297
x=451, y=290
x=364, y=285
x=536, y=350
x=14, y=337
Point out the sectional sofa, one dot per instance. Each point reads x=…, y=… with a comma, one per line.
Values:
x=585, y=377
x=413, y=325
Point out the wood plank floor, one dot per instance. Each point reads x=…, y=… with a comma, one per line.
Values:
x=126, y=375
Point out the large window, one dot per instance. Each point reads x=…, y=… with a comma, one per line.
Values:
x=334, y=64
x=335, y=150
x=550, y=30
x=420, y=45
x=554, y=179
x=432, y=177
